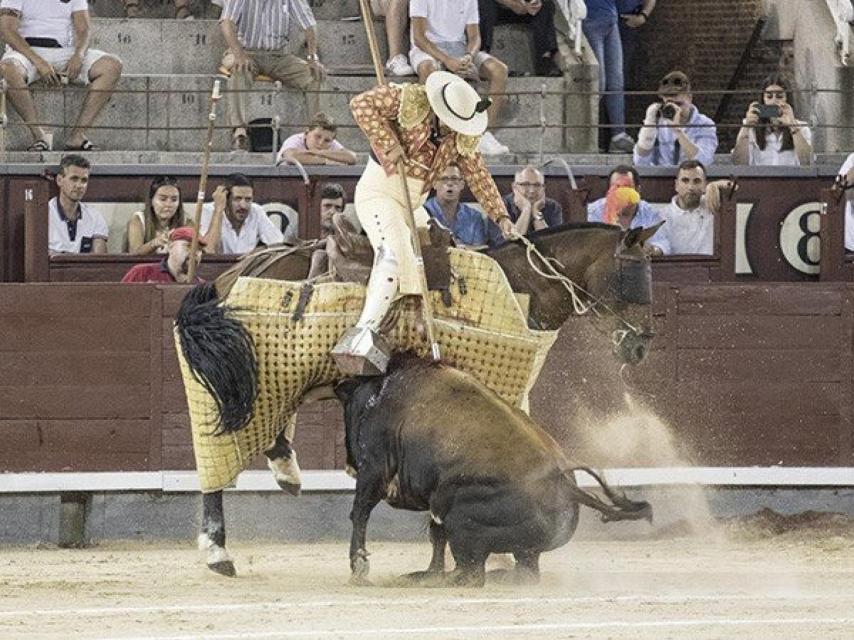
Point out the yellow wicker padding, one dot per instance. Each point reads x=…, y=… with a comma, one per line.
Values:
x=484, y=332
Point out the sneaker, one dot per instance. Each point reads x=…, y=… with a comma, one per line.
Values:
x=399, y=66
x=621, y=143
x=489, y=146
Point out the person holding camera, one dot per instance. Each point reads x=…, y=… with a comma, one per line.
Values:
x=771, y=134
x=674, y=130
x=234, y=224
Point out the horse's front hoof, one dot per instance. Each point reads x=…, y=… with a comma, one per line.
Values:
x=223, y=568
x=360, y=567
x=290, y=488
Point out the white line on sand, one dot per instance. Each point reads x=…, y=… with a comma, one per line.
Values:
x=510, y=628
x=417, y=602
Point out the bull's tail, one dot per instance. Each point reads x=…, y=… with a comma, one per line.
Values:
x=221, y=355
x=621, y=508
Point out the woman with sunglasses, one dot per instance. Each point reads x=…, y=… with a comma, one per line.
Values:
x=148, y=231
x=771, y=135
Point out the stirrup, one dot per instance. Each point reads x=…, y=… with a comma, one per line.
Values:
x=361, y=352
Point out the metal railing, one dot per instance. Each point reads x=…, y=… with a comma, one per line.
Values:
x=540, y=123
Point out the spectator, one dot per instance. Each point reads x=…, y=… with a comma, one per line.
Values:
x=234, y=224
x=316, y=145
x=634, y=14
x=529, y=208
x=396, y=14
x=672, y=134
x=332, y=203
x=846, y=172
x=538, y=15
x=148, y=230
x=465, y=223
x=629, y=215
x=49, y=40
x=602, y=30
x=74, y=227
x=182, y=9
x=446, y=35
x=256, y=33
x=174, y=267
x=690, y=216
x=773, y=139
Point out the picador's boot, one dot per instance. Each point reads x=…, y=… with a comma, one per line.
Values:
x=361, y=351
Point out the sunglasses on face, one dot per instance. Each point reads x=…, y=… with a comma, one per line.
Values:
x=530, y=185
x=775, y=94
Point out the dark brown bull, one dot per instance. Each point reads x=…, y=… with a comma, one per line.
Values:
x=431, y=438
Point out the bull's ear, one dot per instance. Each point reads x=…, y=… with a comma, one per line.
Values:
x=346, y=388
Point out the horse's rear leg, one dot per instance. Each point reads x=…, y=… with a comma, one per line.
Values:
x=282, y=460
x=212, y=537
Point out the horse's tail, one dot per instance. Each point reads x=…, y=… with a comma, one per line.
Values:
x=220, y=354
x=621, y=508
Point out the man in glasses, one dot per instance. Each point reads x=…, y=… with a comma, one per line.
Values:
x=465, y=223
x=529, y=208
x=674, y=130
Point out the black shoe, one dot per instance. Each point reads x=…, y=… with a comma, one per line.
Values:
x=547, y=68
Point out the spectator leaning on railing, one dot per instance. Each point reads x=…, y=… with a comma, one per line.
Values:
x=148, y=230
x=256, y=33
x=674, y=130
x=234, y=224
x=629, y=215
x=529, y=208
x=174, y=268
x=74, y=227
x=49, y=40
x=690, y=217
x=771, y=134
x=316, y=145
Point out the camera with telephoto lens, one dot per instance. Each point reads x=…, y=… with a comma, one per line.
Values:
x=768, y=111
x=668, y=111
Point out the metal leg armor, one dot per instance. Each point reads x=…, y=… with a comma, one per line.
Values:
x=361, y=351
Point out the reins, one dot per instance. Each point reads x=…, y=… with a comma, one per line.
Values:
x=550, y=272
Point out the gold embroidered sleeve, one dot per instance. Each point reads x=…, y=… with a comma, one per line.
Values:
x=375, y=111
x=480, y=181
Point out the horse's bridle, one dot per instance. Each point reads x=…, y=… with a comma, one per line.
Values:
x=553, y=270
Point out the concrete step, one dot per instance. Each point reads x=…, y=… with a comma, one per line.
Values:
x=323, y=9
x=169, y=113
x=196, y=46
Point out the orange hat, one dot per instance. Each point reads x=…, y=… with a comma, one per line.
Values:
x=620, y=195
x=185, y=233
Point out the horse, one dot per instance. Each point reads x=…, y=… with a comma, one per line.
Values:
x=590, y=268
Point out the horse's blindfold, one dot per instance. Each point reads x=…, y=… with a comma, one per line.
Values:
x=634, y=280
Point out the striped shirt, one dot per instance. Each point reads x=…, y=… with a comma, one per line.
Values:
x=265, y=24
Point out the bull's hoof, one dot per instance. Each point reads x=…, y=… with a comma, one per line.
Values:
x=517, y=576
x=423, y=579
x=471, y=579
x=360, y=567
x=223, y=568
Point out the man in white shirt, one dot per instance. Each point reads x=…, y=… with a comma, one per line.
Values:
x=49, y=40
x=846, y=171
x=72, y=226
x=234, y=224
x=446, y=36
x=690, y=216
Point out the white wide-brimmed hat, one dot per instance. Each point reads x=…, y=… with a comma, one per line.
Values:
x=456, y=103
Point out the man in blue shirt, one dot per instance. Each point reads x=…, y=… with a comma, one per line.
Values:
x=465, y=223
x=639, y=215
x=674, y=130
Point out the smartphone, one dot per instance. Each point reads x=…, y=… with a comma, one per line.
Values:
x=768, y=111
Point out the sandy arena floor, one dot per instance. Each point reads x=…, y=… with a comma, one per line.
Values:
x=752, y=581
